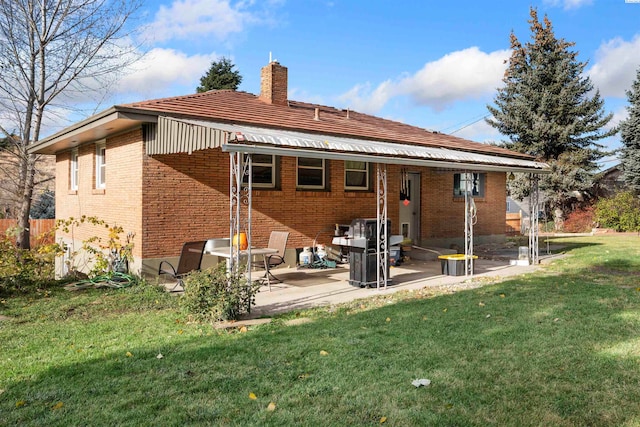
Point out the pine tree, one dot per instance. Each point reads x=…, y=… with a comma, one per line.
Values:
x=548, y=109
x=221, y=75
x=630, y=137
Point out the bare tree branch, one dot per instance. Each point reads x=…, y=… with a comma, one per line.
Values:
x=48, y=50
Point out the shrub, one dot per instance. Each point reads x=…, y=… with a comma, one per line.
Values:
x=580, y=221
x=620, y=212
x=114, y=255
x=214, y=294
x=23, y=270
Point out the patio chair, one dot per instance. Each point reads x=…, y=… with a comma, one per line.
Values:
x=190, y=260
x=277, y=240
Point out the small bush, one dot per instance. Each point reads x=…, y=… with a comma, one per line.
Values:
x=214, y=294
x=620, y=212
x=23, y=270
x=580, y=221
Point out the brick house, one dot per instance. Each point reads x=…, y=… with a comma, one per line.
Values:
x=161, y=169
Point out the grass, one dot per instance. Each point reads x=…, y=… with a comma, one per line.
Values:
x=559, y=347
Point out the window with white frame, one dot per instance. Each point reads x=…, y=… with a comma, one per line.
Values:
x=356, y=175
x=73, y=170
x=263, y=168
x=101, y=163
x=475, y=180
x=311, y=173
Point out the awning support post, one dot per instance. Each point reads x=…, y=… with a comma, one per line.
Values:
x=469, y=221
x=382, y=249
x=534, y=202
x=240, y=210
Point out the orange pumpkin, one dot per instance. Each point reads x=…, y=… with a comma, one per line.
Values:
x=240, y=241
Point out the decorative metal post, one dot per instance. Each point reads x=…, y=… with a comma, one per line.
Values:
x=469, y=221
x=381, y=226
x=240, y=210
x=533, y=219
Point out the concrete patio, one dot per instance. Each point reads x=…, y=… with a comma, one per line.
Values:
x=308, y=287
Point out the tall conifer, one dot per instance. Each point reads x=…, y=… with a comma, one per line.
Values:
x=548, y=109
x=630, y=137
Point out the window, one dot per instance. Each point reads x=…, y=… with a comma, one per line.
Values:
x=311, y=173
x=476, y=180
x=263, y=167
x=101, y=162
x=356, y=175
x=73, y=171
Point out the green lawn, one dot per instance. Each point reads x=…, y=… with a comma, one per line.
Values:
x=560, y=347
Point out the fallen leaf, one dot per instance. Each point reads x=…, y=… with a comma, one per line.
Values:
x=444, y=310
x=388, y=319
x=252, y=396
x=424, y=317
x=323, y=353
x=57, y=406
x=159, y=356
x=502, y=295
x=128, y=354
x=243, y=329
x=303, y=376
x=20, y=403
x=271, y=407
x=481, y=304
x=383, y=420
x=488, y=316
x=180, y=331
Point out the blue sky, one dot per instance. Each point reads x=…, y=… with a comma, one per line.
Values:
x=433, y=64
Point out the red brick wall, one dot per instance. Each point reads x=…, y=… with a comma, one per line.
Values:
x=120, y=203
x=169, y=199
x=443, y=214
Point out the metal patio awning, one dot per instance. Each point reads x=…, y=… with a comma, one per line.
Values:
x=181, y=135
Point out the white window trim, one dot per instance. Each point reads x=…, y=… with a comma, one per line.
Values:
x=73, y=170
x=312, y=187
x=271, y=165
x=367, y=179
x=101, y=164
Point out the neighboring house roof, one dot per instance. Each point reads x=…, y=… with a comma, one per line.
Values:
x=262, y=113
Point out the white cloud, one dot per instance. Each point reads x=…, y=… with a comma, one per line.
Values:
x=615, y=68
x=465, y=74
x=461, y=75
x=618, y=116
x=569, y=4
x=161, y=69
x=360, y=97
x=201, y=19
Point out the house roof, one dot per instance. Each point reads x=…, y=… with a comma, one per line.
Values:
x=247, y=109
x=241, y=109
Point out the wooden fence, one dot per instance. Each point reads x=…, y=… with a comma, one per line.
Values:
x=37, y=229
x=514, y=224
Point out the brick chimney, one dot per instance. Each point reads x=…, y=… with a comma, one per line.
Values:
x=273, y=84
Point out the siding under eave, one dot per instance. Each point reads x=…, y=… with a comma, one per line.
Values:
x=175, y=136
x=185, y=136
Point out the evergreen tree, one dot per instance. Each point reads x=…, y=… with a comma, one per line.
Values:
x=630, y=136
x=221, y=75
x=548, y=109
